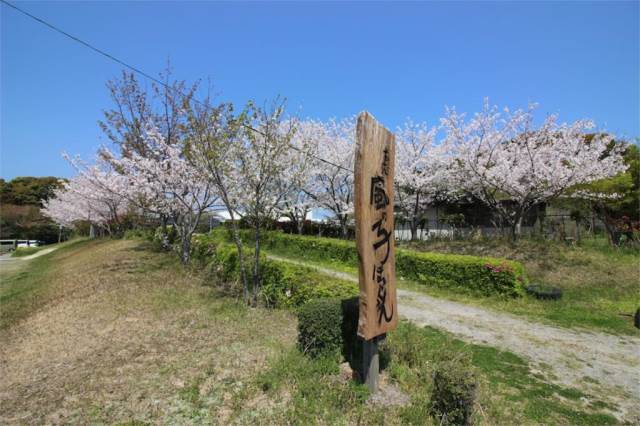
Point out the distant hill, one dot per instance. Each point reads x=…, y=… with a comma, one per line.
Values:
x=20, y=203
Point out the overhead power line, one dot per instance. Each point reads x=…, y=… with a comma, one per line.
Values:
x=143, y=73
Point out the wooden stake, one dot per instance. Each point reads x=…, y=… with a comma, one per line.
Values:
x=371, y=363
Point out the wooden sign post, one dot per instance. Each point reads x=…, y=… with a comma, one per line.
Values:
x=373, y=202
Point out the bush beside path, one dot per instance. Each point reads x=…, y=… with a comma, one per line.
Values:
x=601, y=362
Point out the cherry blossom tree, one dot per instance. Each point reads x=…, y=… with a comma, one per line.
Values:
x=331, y=185
x=511, y=165
x=296, y=204
x=164, y=182
x=423, y=170
x=212, y=136
x=261, y=161
x=95, y=194
x=135, y=106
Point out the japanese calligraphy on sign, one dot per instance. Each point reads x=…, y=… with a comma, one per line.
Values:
x=374, y=169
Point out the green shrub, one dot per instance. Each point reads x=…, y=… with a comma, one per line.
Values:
x=218, y=256
x=351, y=343
x=454, y=390
x=284, y=285
x=304, y=247
x=164, y=237
x=138, y=233
x=319, y=327
x=482, y=275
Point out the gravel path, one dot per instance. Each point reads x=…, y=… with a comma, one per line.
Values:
x=604, y=364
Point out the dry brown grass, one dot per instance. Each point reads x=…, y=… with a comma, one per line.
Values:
x=124, y=334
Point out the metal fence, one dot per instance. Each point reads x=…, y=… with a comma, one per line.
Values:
x=560, y=227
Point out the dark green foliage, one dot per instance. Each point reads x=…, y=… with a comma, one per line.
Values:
x=319, y=327
x=454, y=390
x=27, y=190
x=284, y=285
x=481, y=275
x=164, y=237
x=138, y=233
x=20, y=203
x=352, y=344
x=308, y=247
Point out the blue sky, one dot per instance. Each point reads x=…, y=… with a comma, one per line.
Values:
x=577, y=59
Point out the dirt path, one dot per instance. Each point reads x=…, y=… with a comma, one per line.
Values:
x=593, y=361
x=10, y=264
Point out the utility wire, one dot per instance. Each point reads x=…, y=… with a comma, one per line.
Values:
x=144, y=74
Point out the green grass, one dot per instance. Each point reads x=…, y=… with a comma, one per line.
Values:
x=600, y=283
x=22, y=291
x=26, y=251
x=509, y=392
x=192, y=355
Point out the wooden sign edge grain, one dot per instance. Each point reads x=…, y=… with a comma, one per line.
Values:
x=368, y=163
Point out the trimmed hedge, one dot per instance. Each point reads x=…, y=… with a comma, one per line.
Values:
x=467, y=273
x=319, y=331
x=284, y=285
x=454, y=391
x=483, y=275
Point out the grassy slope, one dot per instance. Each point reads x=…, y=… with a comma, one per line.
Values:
x=599, y=283
x=26, y=251
x=130, y=335
x=23, y=290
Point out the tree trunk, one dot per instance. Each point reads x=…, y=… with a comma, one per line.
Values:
x=186, y=249
x=243, y=272
x=514, y=226
x=92, y=231
x=514, y=232
x=345, y=228
x=256, y=267
x=414, y=231
x=414, y=219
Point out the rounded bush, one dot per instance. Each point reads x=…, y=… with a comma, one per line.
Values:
x=320, y=327
x=454, y=391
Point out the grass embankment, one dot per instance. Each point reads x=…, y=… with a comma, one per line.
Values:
x=131, y=336
x=23, y=288
x=601, y=285
x=26, y=251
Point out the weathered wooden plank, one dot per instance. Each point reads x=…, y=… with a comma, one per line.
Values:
x=373, y=202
